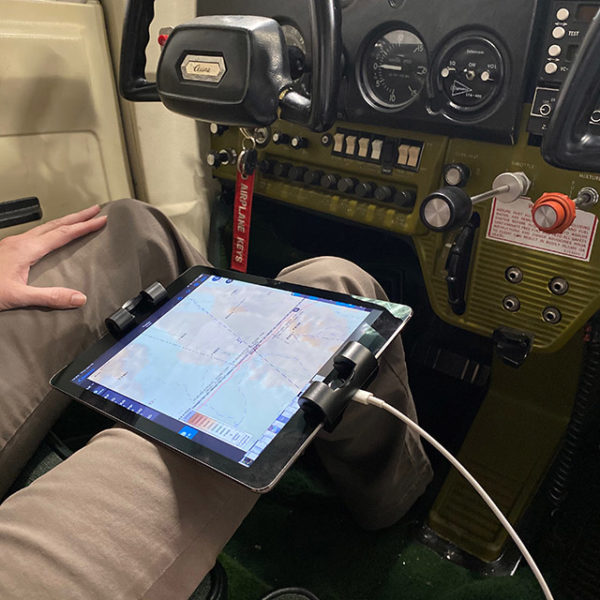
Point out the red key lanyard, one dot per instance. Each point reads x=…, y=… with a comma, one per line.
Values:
x=242, y=212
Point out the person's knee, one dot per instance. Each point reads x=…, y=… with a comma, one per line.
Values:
x=124, y=207
x=333, y=273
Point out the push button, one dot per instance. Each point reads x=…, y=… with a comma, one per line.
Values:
x=554, y=50
x=365, y=190
x=296, y=173
x=384, y=193
x=313, y=177
x=346, y=185
x=298, y=142
x=329, y=181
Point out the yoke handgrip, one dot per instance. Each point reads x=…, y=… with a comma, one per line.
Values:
x=133, y=84
x=327, y=60
x=568, y=142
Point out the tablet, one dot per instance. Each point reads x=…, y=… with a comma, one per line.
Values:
x=217, y=370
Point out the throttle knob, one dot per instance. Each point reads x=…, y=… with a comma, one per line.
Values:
x=447, y=208
x=553, y=212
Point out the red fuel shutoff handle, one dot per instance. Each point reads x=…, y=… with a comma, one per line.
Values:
x=553, y=212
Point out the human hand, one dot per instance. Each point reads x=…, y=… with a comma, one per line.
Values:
x=19, y=253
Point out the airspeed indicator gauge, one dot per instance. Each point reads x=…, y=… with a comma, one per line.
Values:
x=393, y=70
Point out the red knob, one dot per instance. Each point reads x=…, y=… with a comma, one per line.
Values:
x=553, y=212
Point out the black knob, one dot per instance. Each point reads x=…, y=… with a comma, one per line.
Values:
x=446, y=209
x=297, y=173
x=313, y=177
x=346, y=185
x=217, y=129
x=365, y=190
x=280, y=138
x=213, y=160
x=329, y=181
x=216, y=159
x=384, y=193
x=298, y=142
x=266, y=166
x=326, y=139
x=456, y=174
x=281, y=169
x=405, y=198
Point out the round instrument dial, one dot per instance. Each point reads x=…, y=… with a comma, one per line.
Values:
x=470, y=73
x=394, y=69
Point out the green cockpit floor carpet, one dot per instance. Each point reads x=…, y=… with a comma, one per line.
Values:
x=301, y=535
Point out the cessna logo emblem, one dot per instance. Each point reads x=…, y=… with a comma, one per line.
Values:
x=203, y=68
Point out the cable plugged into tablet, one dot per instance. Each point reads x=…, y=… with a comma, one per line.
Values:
x=364, y=397
x=354, y=366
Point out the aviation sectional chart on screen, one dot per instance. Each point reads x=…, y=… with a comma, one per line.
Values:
x=226, y=360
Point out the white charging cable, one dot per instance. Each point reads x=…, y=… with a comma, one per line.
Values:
x=367, y=398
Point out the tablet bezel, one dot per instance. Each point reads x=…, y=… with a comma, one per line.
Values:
x=288, y=444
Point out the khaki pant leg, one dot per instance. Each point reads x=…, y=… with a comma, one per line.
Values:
x=378, y=466
x=121, y=518
x=137, y=247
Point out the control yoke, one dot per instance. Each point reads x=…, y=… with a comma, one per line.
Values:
x=569, y=142
x=234, y=70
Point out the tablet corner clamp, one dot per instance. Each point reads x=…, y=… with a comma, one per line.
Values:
x=125, y=318
x=354, y=366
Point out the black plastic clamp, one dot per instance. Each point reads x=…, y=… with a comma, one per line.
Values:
x=124, y=318
x=325, y=401
x=513, y=346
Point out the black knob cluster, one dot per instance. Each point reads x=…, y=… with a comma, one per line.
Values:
x=215, y=159
x=336, y=183
x=283, y=139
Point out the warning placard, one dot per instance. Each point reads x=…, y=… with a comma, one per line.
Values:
x=513, y=224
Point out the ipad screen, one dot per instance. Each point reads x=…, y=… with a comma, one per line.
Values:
x=224, y=361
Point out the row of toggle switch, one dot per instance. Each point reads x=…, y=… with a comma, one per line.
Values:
x=394, y=152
